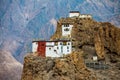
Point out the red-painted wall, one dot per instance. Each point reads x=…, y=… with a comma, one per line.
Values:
x=41, y=48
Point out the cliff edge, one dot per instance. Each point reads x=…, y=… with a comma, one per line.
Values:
x=70, y=67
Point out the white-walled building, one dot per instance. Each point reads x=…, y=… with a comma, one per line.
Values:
x=66, y=30
x=77, y=14
x=95, y=58
x=74, y=13
x=34, y=46
x=52, y=48
x=86, y=16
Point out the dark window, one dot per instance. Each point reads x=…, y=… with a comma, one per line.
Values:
x=96, y=63
x=68, y=43
x=61, y=49
x=60, y=43
x=67, y=47
x=66, y=25
x=49, y=48
x=54, y=50
x=67, y=50
x=66, y=29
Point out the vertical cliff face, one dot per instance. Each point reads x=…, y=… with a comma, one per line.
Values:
x=108, y=40
x=99, y=45
x=71, y=67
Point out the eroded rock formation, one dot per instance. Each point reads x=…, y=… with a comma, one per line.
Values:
x=71, y=67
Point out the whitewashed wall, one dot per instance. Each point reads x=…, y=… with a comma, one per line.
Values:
x=34, y=47
x=66, y=33
x=50, y=43
x=68, y=48
x=74, y=14
x=52, y=52
x=58, y=50
x=85, y=16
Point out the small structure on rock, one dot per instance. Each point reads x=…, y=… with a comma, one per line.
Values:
x=66, y=29
x=77, y=14
x=85, y=16
x=74, y=13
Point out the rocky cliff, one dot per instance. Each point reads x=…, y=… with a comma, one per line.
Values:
x=71, y=67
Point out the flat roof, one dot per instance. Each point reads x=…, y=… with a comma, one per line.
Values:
x=51, y=41
x=49, y=46
x=74, y=12
x=85, y=14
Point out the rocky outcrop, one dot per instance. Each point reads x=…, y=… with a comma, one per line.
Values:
x=104, y=37
x=71, y=67
x=108, y=39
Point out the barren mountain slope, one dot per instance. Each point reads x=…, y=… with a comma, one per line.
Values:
x=10, y=69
